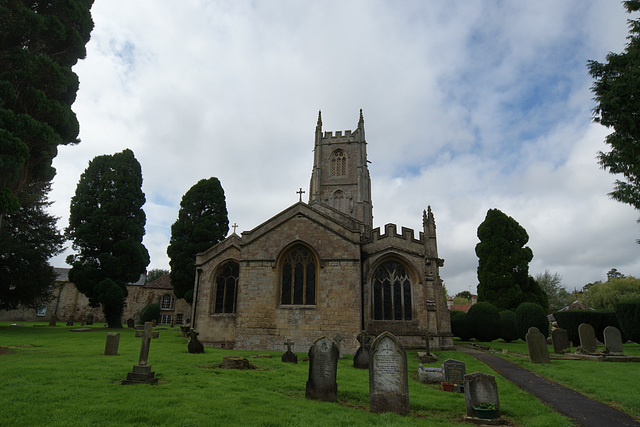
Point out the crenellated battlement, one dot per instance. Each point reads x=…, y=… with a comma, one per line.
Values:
x=340, y=136
x=390, y=230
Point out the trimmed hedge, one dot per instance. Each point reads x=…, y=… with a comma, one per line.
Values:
x=483, y=321
x=530, y=314
x=571, y=319
x=150, y=313
x=459, y=325
x=628, y=314
x=508, y=331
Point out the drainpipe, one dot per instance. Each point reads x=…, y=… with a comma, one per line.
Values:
x=195, y=298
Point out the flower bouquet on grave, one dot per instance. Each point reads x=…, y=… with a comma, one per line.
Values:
x=486, y=410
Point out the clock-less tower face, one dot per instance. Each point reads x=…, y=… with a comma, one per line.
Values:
x=340, y=177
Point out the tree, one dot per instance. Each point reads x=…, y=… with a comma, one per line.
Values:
x=464, y=294
x=557, y=295
x=503, y=261
x=614, y=274
x=39, y=43
x=28, y=238
x=155, y=273
x=106, y=224
x=617, y=94
x=202, y=222
x=606, y=295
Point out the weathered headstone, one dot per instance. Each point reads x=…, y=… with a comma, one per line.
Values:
x=89, y=321
x=613, y=340
x=194, y=345
x=587, y=338
x=430, y=375
x=142, y=373
x=454, y=372
x=131, y=323
x=388, y=378
x=480, y=388
x=560, y=341
x=361, y=358
x=113, y=341
x=427, y=356
x=70, y=322
x=323, y=368
x=537, y=346
x=338, y=340
x=289, y=356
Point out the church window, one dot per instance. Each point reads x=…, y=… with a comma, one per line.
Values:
x=166, y=303
x=338, y=163
x=226, y=288
x=299, y=277
x=391, y=292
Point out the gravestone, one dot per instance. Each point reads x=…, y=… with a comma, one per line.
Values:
x=430, y=375
x=89, y=321
x=113, y=341
x=70, y=322
x=587, y=338
x=131, y=323
x=323, y=367
x=560, y=341
x=289, y=356
x=142, y=373
x=613, y=340
x=478, y=388
x=388, y=378
x=454, y=372
x=194, y=345
x=338, y=340
x=427, y=356
x=537, y=346
x=361, y=358
x=53, y=320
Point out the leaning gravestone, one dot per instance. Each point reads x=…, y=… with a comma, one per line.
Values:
x=289, y=356
x=70, y=322
x=361, y=358
x=537, y=346
x=587, y=338
x=89, y=321
x=560, y=341
x=454, y=372
x=613, y=340
x=131, y=323
x=323, y=368
x=142, y=373
x=111, y=347
x=338, y=340
x=194, y=345
x=388, y=378
x=480, y=388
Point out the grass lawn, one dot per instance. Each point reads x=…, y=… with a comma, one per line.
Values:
x=54, y=377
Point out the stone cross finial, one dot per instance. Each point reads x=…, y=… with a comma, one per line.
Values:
x=300, y=192
x=288, y=343
x=146, y=335
x=234, y=227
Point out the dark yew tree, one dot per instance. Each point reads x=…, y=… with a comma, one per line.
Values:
x=503, y=263
x=617, y=93
x=28, y=238
x=39, y=43
x=106, y=225
x=202, y=222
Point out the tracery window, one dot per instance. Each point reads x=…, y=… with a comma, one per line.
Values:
x=166, y=303
x=298, y=277
x=226, y=288
x=391, y=292
x=338, y=163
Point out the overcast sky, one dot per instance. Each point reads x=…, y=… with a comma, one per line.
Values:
x=468, y=106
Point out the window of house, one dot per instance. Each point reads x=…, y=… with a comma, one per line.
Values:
x=179, y=318
x=338, y=163
x=166, y=303
x=165, y=319
x=226, y=283
x=42, y=311
x=391, y=292
x=298, y=277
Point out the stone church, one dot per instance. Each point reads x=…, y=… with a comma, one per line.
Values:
x=320, y=268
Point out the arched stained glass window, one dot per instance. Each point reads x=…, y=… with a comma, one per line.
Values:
x=338, y=163
x=391, y=292
x=226, y=288
x=298, y=277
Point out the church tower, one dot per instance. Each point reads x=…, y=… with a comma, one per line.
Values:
x=340, y=177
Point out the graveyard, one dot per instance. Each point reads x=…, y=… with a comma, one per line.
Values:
x=54, y=376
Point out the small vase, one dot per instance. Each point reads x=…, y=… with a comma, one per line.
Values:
x=447, y=386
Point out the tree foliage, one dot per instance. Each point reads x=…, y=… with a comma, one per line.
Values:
x=28, y=238
x=608, y=294
x=557, y=295
x=39, y=43
x=106, y=225
x=155, y=273
x=202, y=222
x=617, y=94
x=529, y=314
x=483, y=321
x=503, y=262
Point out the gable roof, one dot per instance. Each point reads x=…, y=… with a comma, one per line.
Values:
x=163, y=282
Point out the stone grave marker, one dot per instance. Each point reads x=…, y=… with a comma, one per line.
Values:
x=194, y=345
x=113, y=341
x=89, y=321
x=587, y=338
x=361, y=358
x=613, y=340
x=388, y=377
x=53, y=320
x=131, y=323
x=427, y=356
x=454, y=372
x=289, y=356
x=142, y=373
x=430, y=375
x=478, y=388
x=560, y=341
x=70, y=322
x=323, y=368
x=338, y=340
x=537, y=346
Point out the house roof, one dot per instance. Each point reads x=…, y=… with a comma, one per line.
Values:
x=163, y=282
x=461, y=307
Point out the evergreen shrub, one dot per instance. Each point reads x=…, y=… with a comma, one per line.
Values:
x=459, y=325
x=628, y=314
x=599, y=320
x=530, y=314
x=508, y=331
x=150, y=313
x=483, y=321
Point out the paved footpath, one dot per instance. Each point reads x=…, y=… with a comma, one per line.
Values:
x=583, y=410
